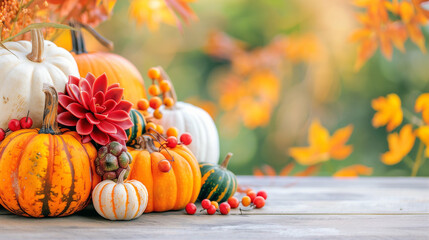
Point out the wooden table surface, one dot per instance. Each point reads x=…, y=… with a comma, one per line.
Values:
x=296, y=208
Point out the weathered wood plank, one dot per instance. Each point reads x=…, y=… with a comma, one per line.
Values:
x=219, y=227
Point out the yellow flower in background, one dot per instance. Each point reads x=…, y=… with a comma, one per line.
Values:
x=154, y=12
x=353, y=171
x=399, y=145
x=388, y=113
x=422, y=105
x=423, y=134
x=322, y=146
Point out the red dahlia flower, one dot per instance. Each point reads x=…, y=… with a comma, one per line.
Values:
x=95, y=109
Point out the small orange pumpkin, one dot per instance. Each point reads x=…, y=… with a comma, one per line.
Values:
x=118, y=69
x=46, y=172
x=167, y=190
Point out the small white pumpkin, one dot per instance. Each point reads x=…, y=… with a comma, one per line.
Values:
x=120, y=201
x=23, y=73
x=194, y=120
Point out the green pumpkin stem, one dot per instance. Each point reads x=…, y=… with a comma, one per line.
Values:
x=37, y=46
x=122, y=175
x=225, y=162
x=50, y=125
x=78, y=41
x=172, y=92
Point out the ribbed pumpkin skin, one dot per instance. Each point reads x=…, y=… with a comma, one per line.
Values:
x=118, y=70
x=45, y=175
x=167, y=191
x=120, y=201
x=138, y=129
x=217, y=183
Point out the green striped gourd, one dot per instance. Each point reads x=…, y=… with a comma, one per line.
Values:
x=138, y=129
x=217, y=183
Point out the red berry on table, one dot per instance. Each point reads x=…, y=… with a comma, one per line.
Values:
x=211, y=210
x=259, y=202
x=191, y=209
x=206, y=204
x=214, y=203
x=171, y=142
x=2, y=134
x=186, y=138
x=164, y=165
x=14, y=125
x=252, y=195
x=26, y=122
x=262, y=194
x=246, y=201
x=224, y=208
x=233, y=202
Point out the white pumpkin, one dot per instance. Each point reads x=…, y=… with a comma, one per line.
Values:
x=120, y=201
x=194, y=120
x=23, y=73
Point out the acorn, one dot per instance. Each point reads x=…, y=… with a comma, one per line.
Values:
x=111, y=160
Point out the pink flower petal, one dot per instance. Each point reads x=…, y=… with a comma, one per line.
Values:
x=119, y=115
x=86, y=99
x=115, y=85
x=100, y=137
x=100, y=109
x=123, y=124
x=86, y=139
x=99, y=98
x=115, y=94
x=110, y=105
x=67, y=119
x=90, y=78
x=84, y=86
x=100, y=116
x=77, y=110
x=75, y=93
x=73, y=80
x=120, y=134
x=91, y=119
x=83, y=127
x=107, y=127
x=124, y=105
x=100, y=84
x=65, y=100
x=92, y=105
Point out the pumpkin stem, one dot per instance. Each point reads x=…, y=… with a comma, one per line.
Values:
x=146, y=142
x=225, y=162
x=78, y=41
x=122, y=175
x=172, y=92
x=50, y=125
x=37, y=46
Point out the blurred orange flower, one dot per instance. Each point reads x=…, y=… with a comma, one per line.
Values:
x=286, y=171
x=153, y=12
x=423, y=134
x=422, y=105
x=353, y=171
x=386, y=24
x=399, y=145
x=322, y=146
x=388, y=113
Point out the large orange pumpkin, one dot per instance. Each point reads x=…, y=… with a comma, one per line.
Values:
x=167, y=190
x=46, y=172
x=118, y=69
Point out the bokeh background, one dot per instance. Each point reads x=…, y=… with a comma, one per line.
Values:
x=265, y=69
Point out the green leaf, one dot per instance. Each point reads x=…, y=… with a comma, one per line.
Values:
x=3, y=46
x=36, y=26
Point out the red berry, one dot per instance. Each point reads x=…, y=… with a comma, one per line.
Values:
x=14, y=125
x=211, y=210
x=262, y=194
x=2, y=134
x=233, y=202
x=206, y=204
x=252, y=195
x=259, y=202
x=224, y=208
x=186, y=138
x=164, y=165
x=26, y=122
x=171, y=142
x=191, y=209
